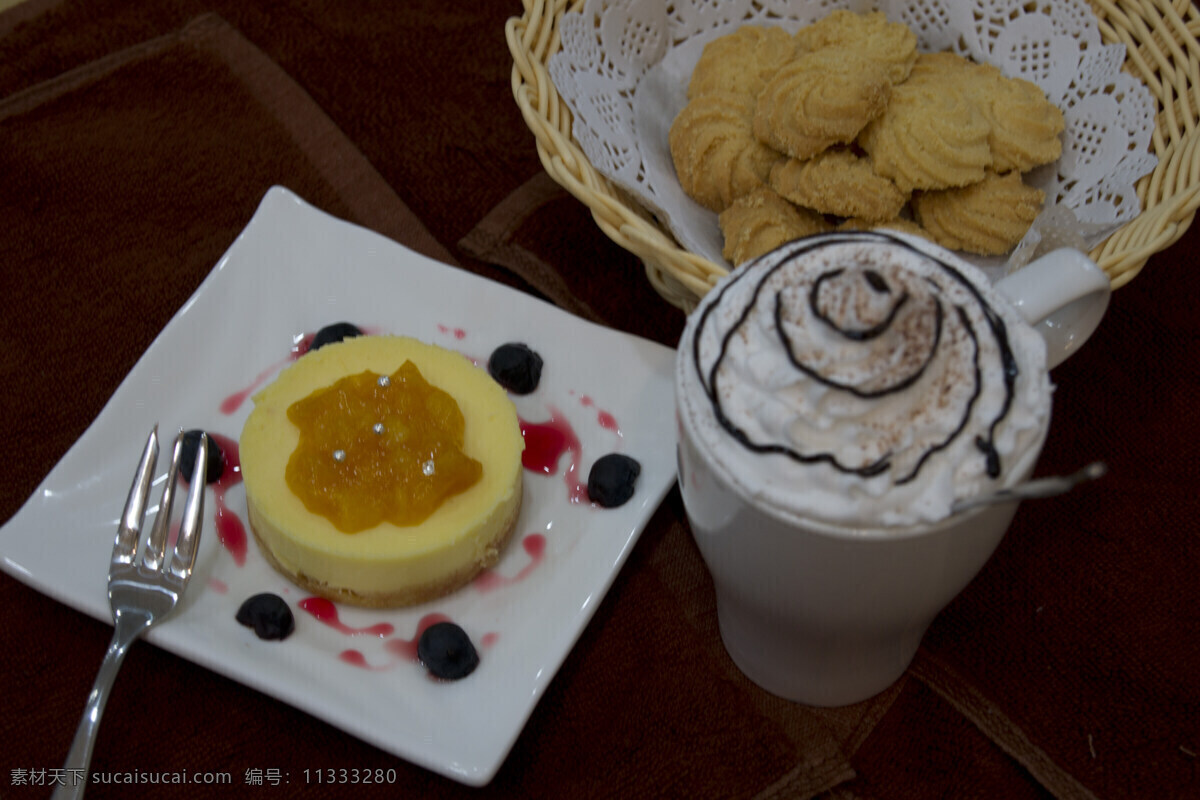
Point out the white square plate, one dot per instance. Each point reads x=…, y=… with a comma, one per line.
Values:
x=293, y=270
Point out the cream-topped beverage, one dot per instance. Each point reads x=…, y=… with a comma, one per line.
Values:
x=836, y=398
x=862, y=379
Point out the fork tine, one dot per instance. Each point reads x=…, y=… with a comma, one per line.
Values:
x=156, y=545
x=140, y=594
x=193, y=511
x=129, y=529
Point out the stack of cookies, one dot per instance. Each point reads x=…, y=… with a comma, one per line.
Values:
x=846, y=125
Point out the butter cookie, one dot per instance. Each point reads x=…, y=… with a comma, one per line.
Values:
x=820, y=99
x=716, y=156
x=1024, y=124
x=987, y=218
x=838, y=182
x=741, y=62
x=762, y=221
x=892, y=44
x=930, y=136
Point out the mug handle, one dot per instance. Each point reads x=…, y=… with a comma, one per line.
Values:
x=1063, y=295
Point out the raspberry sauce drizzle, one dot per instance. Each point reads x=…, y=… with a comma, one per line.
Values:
x=356, y=659
x=230, y=529
x=490, y=580
x=326, y=612
x=608, y=422
x=407, y=648
x=402, y=649
x=234, y=401
x=545, y=443
x=603, y=418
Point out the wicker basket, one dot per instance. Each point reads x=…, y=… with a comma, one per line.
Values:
x=1161, y=41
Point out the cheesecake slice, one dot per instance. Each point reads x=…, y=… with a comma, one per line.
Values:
x=363, y=541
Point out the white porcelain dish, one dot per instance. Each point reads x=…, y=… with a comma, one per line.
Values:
x=293, y=270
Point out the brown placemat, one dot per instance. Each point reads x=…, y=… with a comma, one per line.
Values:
x=546, y=237
x=125, y=192
x=1082, y=628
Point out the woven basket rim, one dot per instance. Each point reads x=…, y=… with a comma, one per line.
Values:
x=1162, y=51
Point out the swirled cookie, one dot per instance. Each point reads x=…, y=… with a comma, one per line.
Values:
x=930, y=137
x=741, y=62
x=987, y=218
x=1024, y=125
x=716, y=156
x=761, y=221
x=838, y=182
x=820, y=99
x=892, y=44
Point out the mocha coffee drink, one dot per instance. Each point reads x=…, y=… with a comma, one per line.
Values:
x=862, y=380
x=836, y=398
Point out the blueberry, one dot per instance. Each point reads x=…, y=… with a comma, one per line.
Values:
x=610, y=482
x=187, y=457
x=269, y=615
x=516, y=368
x=447, y=652
x=334, y=333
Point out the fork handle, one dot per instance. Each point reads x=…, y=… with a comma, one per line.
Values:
x=127, y=628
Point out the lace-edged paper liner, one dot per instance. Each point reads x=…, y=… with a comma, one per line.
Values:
x=625, y=64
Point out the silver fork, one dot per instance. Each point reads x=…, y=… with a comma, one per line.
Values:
x=141, y=591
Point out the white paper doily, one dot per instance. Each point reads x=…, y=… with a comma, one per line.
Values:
x=624, y=67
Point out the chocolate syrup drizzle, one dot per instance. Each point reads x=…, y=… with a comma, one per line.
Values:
x=985, y=444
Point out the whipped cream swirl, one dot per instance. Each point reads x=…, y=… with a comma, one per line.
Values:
x=864, y=378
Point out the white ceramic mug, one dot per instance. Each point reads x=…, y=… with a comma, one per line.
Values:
x=828, y=615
